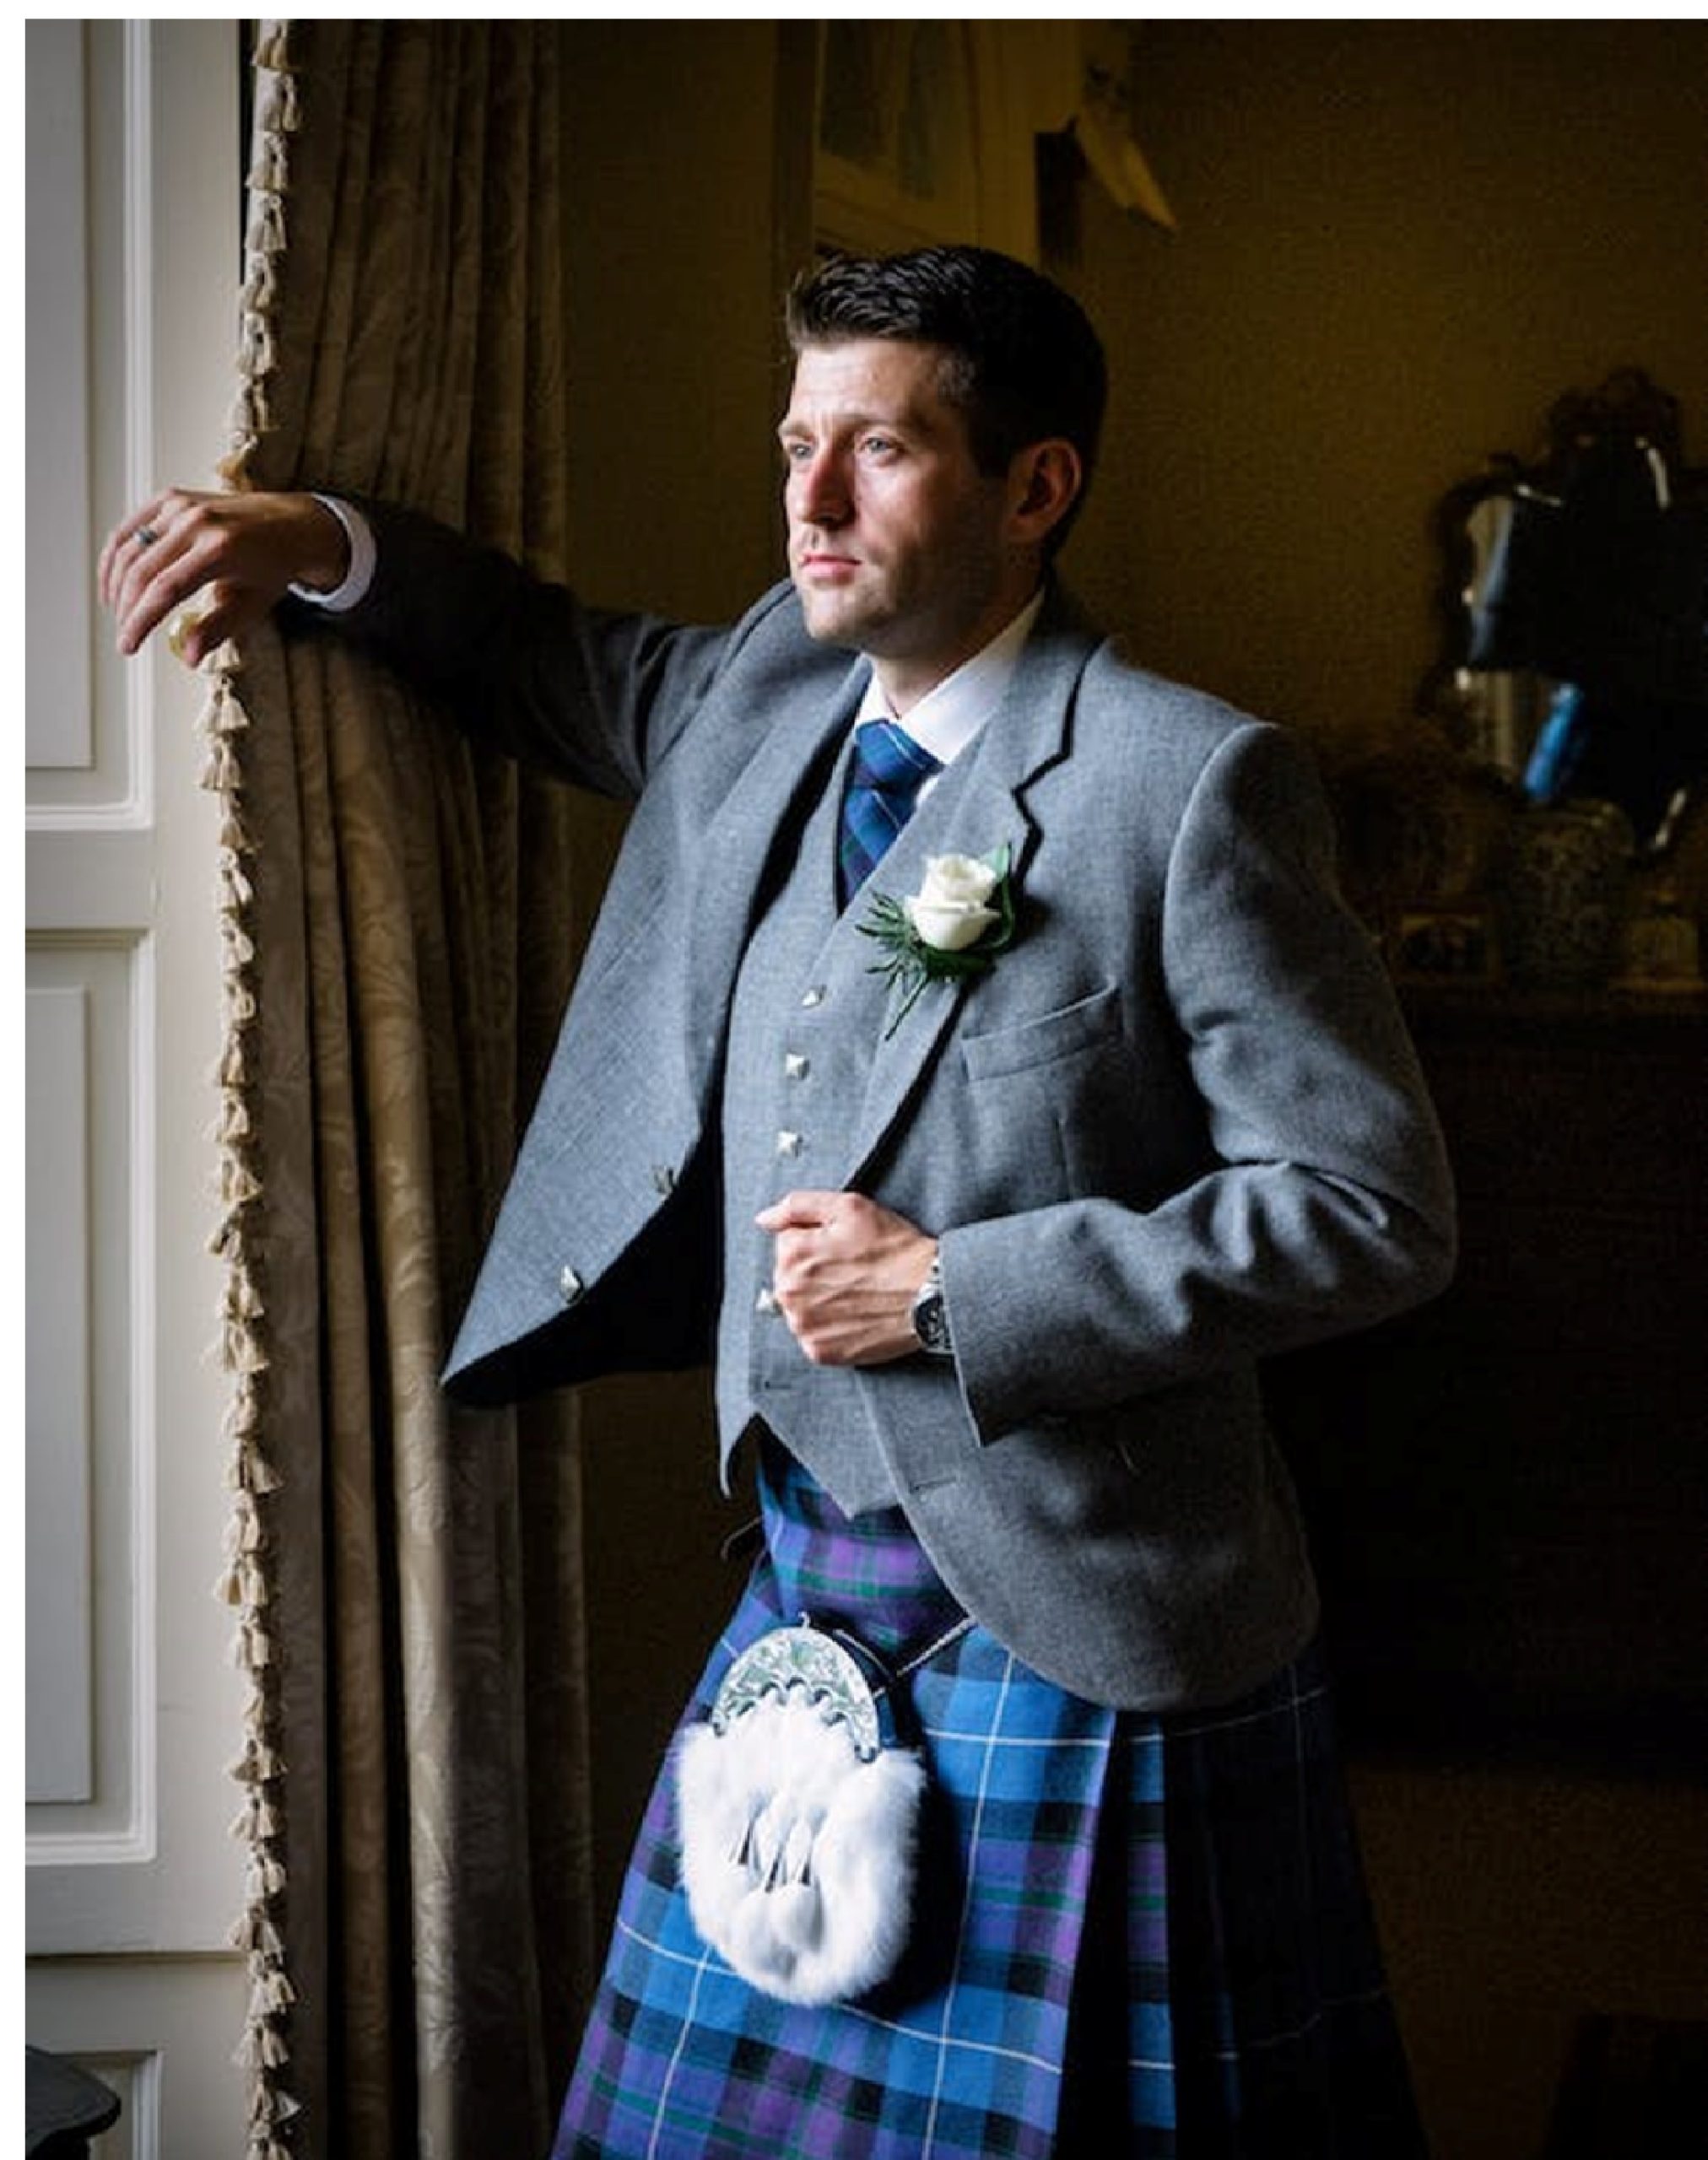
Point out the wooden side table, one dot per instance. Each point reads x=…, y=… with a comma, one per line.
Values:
x=1508, y=1489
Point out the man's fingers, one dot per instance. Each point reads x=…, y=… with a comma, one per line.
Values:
x=800, y=1211
x=162, y=576
x=139, y=531
x=145, y=547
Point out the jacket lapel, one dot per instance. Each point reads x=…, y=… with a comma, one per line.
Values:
x=738, y=854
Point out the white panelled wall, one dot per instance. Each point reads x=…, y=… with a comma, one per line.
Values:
x=134, y=204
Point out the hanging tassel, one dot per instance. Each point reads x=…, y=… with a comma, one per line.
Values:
x=243, y=1532
x=257, y=1765
x=219, y=769
x=265, y=233
x=269, y=2106
x=268, y=167
x=251, y=416
x=270, y=1992
x=256, y=1474
x=256, y=1932
x=227, y=713
x=264, y=1877
x=261, y=2048
x=233, y=1064
x=240, y=1299
x=241, y=1349
x=242, y=1583
x=233, y=467
x=269, y=55
x=233, y=1123
x=241, y=1416
x=234, y=878
x=255, y=1818
x=255, y=345
x=237, y=1184
x=261, y=282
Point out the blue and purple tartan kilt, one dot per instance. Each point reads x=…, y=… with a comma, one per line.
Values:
x=1135, y=1934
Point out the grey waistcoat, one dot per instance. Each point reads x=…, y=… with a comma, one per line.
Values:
x=792, y=1086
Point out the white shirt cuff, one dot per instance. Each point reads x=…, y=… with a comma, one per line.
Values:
x=363, y=557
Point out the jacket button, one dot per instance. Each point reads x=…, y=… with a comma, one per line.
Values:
x=663, y=1179
x=570, y=1286
x=766, y=1301
x=814, y=996
x=789, y=1143
x=795, y=1066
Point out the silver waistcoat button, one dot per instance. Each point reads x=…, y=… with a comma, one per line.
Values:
x=766, y=1301
x=789, y=1143
x=570, y=1286
x=795, y=1066
x=815, y=996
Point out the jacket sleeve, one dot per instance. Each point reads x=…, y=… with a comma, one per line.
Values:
x=592, y=696
x=1327, y=1201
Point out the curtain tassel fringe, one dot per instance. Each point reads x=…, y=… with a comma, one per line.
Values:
x=263, y=2049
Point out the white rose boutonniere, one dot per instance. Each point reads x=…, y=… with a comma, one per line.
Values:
x=955, y=925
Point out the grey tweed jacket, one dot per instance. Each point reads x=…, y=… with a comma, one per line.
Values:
x=1176, y=1127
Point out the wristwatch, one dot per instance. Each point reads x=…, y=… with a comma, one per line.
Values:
x=930, y=1316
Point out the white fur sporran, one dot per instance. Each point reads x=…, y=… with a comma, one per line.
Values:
x=799, y=1824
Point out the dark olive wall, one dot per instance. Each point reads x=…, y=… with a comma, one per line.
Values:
x=1398, y=244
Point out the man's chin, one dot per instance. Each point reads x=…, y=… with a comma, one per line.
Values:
x=827, y=623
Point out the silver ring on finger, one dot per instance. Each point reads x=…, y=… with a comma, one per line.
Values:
x=145, y=536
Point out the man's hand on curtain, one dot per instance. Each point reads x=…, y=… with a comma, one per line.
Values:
x=225, y=558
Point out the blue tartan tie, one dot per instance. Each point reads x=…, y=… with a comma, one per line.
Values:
x=888, y=771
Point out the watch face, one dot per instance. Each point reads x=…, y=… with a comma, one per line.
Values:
x=930, y=1322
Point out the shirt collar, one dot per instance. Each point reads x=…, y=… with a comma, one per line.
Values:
x=947, y=718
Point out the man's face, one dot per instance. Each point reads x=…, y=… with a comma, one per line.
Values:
x=899, y=546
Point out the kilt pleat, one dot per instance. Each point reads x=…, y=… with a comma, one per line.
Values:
x=1133, y=1934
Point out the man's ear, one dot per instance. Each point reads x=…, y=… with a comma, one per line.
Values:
x=1045, y=480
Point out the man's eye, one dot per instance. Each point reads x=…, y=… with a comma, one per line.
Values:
x=880, y=446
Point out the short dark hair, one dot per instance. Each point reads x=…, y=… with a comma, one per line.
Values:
x=1023, y=362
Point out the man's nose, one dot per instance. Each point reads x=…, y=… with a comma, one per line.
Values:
x=820, y=490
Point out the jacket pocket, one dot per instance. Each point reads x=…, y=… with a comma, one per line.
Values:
x=1044, y=1040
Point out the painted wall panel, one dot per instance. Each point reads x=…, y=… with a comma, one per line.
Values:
x=59, y=1741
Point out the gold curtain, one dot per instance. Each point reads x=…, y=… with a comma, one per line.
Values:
x=397, y=950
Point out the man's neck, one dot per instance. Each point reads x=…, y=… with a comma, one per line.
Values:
x=906, y=682
x=948, y=717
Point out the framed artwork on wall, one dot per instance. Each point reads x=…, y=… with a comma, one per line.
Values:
x=926, y=131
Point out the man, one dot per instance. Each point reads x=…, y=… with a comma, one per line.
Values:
x=1003, y=1080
